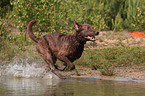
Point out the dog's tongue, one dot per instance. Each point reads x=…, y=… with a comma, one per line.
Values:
x=90, y=38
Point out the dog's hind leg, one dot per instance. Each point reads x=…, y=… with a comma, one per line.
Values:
x=62, y=67
x=50, y=61
x=56, y=72
x=50, y=66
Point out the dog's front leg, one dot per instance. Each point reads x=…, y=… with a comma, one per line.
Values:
x=66, y=60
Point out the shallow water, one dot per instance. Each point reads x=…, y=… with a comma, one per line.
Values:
x=21, y=78
x=10, y=86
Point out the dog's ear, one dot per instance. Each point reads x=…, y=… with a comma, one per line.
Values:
x=76, y=25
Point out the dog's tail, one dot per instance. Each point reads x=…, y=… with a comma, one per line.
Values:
x=30, y=33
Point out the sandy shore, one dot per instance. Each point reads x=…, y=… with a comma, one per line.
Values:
x=131, y=74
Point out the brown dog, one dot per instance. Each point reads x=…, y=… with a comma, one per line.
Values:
x=66, y=48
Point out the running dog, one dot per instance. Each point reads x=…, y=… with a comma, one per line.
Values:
x=66, y=48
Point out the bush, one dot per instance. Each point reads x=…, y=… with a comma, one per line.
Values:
x=107, y=70
x=3, y=30
x=135, y=19
x=4, y=7
x=58, y=15
x=11, y=45
x=4, y=35
x=54, y=15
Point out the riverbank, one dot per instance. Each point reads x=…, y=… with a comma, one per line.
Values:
x=131, y=74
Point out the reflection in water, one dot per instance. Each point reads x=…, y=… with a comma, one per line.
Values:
x=70, y=87
x=31, y=86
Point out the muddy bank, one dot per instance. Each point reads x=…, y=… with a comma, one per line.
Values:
x=131, y=74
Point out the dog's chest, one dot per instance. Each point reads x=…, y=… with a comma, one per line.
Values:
x=75, y=52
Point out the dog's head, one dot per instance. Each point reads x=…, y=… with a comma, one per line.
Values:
x=85, y=31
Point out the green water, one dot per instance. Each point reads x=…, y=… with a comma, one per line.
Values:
x=10, y=86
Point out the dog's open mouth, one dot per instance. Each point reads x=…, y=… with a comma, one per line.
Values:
x=91, y=38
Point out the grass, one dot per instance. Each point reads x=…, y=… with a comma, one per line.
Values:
x=107, y=70
x=116, y=56
x=112, y=57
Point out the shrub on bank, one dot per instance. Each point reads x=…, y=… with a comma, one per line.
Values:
x=58, y=15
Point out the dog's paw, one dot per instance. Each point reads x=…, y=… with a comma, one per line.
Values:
x=57, y=73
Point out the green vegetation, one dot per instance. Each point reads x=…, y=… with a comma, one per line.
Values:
x=58, y=15
x=109, y=58
x=5, y=8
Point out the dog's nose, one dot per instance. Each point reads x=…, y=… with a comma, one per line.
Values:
x=96, y=33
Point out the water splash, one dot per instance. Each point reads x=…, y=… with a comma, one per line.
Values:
x=22, y=68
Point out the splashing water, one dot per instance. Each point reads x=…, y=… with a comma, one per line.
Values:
x=21, y=68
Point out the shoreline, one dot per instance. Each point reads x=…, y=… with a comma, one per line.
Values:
x=120, y=74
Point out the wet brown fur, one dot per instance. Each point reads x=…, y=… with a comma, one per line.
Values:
x=66, y=48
